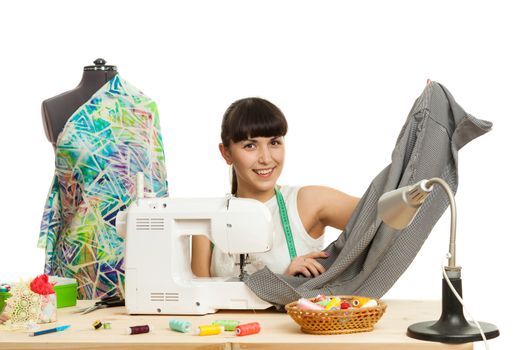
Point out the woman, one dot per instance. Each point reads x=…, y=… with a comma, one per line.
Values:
x=252, y=134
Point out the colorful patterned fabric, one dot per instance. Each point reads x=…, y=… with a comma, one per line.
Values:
x=103, y=145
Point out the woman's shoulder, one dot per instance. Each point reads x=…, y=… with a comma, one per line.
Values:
x=319, y=197
x=309, y=198
x=312, y=196
x=329, y=207
x=314, y=191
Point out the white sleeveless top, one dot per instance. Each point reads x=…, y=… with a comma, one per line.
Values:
x=278, y=258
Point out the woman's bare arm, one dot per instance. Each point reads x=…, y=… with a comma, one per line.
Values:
x=200, y=256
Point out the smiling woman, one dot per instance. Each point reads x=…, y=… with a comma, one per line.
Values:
x=258, y=164
x=253, y=131
x=252, y=135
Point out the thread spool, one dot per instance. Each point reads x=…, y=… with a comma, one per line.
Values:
x=97, y=324
x=139, y=329
x=213, y=329
x=180, y=326
x=370, y=303
x=323, y=303
x=362, y=302
x=106, y=325
x=305, y=304
x=247, y=329
x=229, y=325
x=333, y=304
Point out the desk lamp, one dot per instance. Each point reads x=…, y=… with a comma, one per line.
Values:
x=397, y=209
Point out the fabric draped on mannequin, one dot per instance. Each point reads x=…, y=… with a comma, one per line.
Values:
x=104, y=144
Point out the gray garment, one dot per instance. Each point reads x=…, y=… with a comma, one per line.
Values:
x=369, y=257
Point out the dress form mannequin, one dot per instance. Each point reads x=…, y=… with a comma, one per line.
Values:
x=57, y=110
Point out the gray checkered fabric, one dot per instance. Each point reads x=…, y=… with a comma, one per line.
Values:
x=369, y=257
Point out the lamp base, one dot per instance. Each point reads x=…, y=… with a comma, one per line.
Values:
x=452, y=327
x=448, y=333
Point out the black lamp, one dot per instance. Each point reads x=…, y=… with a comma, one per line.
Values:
x=397, y=209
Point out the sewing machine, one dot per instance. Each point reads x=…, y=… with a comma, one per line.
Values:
x=159, y=279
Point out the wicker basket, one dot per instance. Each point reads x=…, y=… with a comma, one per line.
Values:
x=337, y=321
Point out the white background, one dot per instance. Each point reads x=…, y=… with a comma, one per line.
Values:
x=345, y=75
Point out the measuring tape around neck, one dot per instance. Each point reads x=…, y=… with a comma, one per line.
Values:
x=286, y=223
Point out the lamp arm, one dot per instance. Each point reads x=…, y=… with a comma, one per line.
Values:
x=453, y=212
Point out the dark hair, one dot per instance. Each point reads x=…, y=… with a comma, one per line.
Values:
x=251, y=117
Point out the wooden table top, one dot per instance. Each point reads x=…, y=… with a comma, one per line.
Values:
x=278, y=331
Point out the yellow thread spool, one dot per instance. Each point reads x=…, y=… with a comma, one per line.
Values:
x=333, y=304
x=209, y=330
x=359, y=301
x=97, y=324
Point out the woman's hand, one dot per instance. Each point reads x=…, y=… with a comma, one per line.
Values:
x=3, y=318
x=307, y=265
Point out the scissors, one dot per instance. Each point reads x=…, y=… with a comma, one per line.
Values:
x=112, y=301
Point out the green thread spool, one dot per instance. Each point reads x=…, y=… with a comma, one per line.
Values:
x=180, y=326
x=228, y=325
x=323, y=303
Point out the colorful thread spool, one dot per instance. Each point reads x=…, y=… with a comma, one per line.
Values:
x=344, y=305
x=323, y=303
x=139, y=329
x=370, y=303
x=97, y=324
x=213, y=329
x=362, y=302
x=180, y=326
x=228, y=325
x=106, y=325
x=333, y=304
x=247, y=329
x=305, y=304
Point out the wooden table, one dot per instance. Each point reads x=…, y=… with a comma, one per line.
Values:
x=278, y=331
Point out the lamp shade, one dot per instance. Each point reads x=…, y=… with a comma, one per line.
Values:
x=398, y=208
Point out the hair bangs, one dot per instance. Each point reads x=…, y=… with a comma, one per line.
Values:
x=254, y=117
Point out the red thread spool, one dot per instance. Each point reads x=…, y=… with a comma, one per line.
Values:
x=344, y=305
x=139, y=329
x=248, y=328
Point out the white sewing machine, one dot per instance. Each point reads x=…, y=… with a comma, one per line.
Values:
x=159, y=279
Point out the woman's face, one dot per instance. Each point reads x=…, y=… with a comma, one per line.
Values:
x=258, y=163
